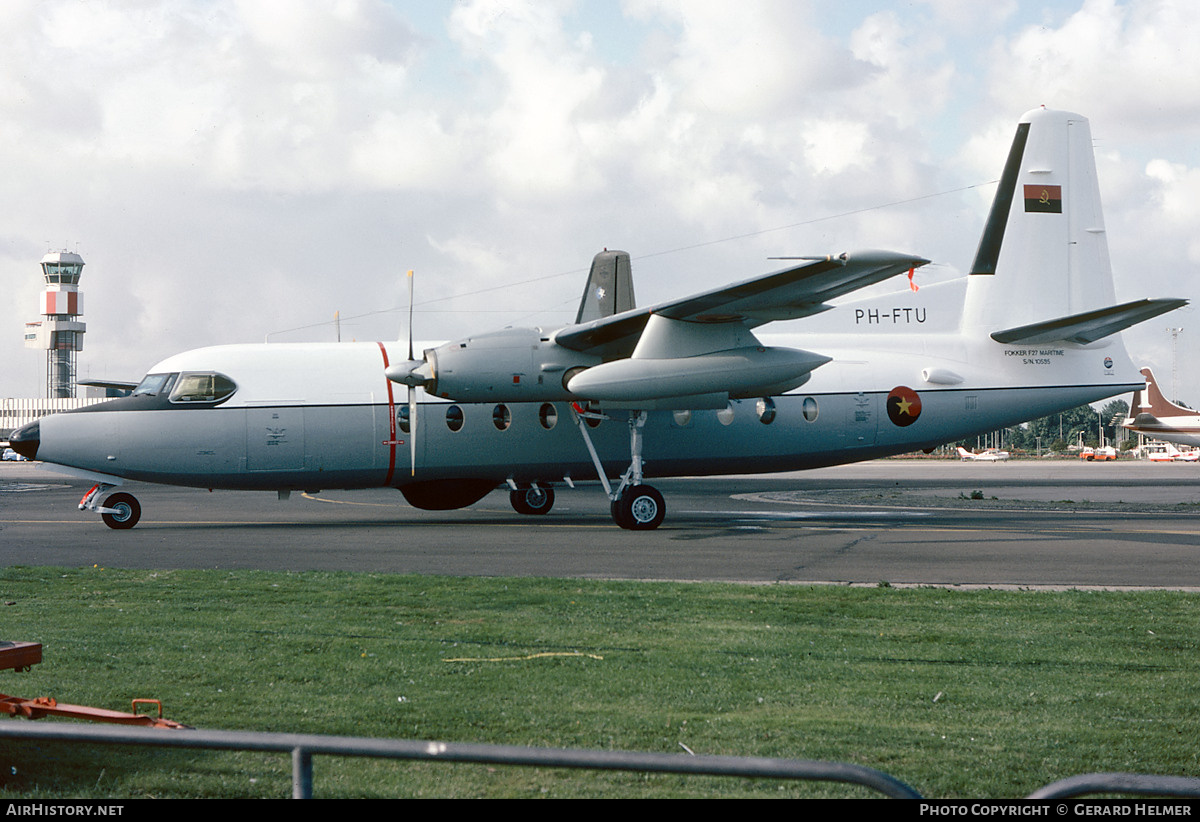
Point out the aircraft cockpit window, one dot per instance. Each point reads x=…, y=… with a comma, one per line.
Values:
x=152, y=385
x=202, y=387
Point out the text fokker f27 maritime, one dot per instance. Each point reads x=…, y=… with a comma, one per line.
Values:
x=1154, y=415
x=681, y=388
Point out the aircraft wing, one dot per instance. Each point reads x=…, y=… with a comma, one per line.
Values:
x=789, y=294
x=120, y=385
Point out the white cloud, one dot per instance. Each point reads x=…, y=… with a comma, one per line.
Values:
x=544, y=78
x=1132, y=64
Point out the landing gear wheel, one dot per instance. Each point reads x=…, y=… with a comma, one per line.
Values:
x=640, y=508
x=532, y=500
x=126, y=511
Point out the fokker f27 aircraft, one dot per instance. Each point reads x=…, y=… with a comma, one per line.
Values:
x=681, y=388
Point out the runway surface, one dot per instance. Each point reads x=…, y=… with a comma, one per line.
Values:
x=1123, y=524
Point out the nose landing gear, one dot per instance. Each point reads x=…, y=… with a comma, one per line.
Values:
x=119, y=511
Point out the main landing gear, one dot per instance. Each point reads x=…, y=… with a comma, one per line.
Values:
x=639, y=508
x=120, y=511
x=634, y=506
x=532, y=500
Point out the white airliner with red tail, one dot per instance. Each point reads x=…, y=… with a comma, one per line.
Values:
x=1154, y=415
x=626, y=394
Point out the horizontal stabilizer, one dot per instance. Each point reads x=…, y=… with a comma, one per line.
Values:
x=1090, y=325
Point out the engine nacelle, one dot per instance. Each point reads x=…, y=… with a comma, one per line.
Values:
x=513, y=365
x=526, y=365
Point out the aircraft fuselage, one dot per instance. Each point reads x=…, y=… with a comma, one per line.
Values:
x=341, y=424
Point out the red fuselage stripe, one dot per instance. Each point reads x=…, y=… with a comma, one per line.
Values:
x=391, y=422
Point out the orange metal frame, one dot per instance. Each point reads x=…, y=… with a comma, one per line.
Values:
x=21, y=656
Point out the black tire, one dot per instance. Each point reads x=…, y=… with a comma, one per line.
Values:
x=128, y=511
x=640, y=508
x=614, y=508
x=532, y=501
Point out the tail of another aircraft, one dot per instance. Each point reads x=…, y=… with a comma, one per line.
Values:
x=1150, y=400
x=609, y=288
x=1042, y=273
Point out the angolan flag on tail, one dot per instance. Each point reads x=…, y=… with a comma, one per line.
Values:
x=1046, y=199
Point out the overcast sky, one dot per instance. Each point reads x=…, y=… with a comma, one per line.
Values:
x=238, y=170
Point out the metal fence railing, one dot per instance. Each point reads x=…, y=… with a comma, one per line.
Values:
x=1138, y=784
x=302, y=748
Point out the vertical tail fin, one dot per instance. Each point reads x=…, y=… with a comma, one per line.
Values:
x=1150, y=400
x=609, y=288
x=1043, y=253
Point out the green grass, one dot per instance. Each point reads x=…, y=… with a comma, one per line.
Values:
x=957, y=693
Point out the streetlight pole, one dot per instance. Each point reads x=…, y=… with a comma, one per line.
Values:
x=1175, y=332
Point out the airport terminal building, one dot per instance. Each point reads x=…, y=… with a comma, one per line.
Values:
x=17, y=411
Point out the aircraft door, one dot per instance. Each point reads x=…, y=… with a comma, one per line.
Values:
x=860, y=410
x=275, y=439
x=862, y=420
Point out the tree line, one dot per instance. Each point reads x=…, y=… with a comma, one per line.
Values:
x=1058, y=431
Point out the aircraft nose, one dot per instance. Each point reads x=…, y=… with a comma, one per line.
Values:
x=26, y=439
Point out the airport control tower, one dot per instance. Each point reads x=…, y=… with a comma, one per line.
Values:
x=59, y=333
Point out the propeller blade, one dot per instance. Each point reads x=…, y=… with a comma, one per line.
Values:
x=410, y=313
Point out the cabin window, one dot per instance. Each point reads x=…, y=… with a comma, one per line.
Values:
x=454, y=418
x=725, y=415
x=501, y=417
x=810, y=409
x=547, y=416
x=765, y=408
x=682, y=418
x=202, y=387
x=402, y=419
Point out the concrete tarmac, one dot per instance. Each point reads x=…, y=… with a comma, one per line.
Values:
x=920, y=522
